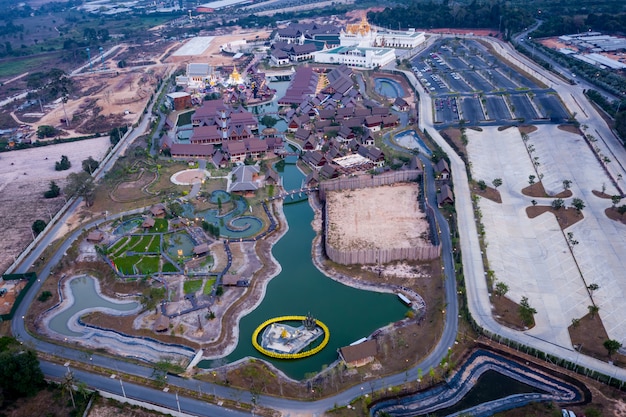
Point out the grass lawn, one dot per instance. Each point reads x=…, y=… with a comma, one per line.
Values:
x=192, y=286
x=118, y=246
x=20, y=66
x=125, y=264
x=208, y=287
x=155, y=244
x=139, y=243
x=160, y=226
x=169, y=267
x=184, y=118
x=148, y=265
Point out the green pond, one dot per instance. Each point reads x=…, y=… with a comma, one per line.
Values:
x=300, y=288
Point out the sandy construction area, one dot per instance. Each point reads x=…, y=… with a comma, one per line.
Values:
x=380, y=217
x=212, y=55
x=106, y=100
x=24, y=176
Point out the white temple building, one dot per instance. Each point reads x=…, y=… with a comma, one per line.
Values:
x=361, y=46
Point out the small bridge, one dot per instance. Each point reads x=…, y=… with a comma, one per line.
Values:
x=280, y=74
x=295, y=196
x=283, y=153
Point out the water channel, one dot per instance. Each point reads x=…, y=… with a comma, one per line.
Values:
x=300, y=288
x=85, y=297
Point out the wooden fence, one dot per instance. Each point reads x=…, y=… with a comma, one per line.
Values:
x=366, y=180
x=374, y=255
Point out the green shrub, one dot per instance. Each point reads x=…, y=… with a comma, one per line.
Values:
x=44, y=296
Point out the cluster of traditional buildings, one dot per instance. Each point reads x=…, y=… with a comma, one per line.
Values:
x=359, y=45
x=201, y=79
x=334, y=124
x=330, y=120
x=224, y=135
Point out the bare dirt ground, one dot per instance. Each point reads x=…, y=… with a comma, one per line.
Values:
x=24, y=176
x=13, y=288
x=106, y=100
x=380, y=217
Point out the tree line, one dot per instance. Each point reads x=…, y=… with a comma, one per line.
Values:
x=557, y=25
x=496, y=15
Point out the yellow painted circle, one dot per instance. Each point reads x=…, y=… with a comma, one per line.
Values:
x=289, y=355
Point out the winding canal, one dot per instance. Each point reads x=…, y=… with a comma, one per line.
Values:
x=300, y=288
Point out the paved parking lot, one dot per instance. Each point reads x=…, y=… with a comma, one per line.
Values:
x=462, y=68
x=532, y=256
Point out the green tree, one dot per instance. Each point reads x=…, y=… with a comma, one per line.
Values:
x=593, y=310
x=268, y=121
x=20, y=374
x=526, y=312
x=151, y=297
x=38, y=226
x=557, y=203
x=567, y=184
x=81, y=185
x=620, y=124
x=497, y=182
x=62, y=165
x=44, y=296
x=501, y=289
x=578, y=204
x=53, y=190
x=616, y=199
x=531, y=179
x=176, y=209
x=482, y=185
x=45, y=131
x=117, y=133
x=611, y=346
x=90, y=165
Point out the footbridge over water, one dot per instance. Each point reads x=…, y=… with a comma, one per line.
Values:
x=280, y=74
x=295, y=196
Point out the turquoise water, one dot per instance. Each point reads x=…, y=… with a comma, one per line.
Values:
x=176, y=241
x=300, y=288
x=85, y=297
x=219, y=195
x=127, y=227
x=388, y=87
x=237, y=223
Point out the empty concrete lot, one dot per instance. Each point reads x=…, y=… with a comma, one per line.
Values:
x=532, y=256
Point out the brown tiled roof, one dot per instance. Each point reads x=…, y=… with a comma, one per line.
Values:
x=200, y=249
x=359, y=352
x=234, y=147
x=191, y=149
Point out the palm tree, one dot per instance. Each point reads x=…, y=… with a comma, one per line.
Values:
x=593, y=310
x=67, y=385
x=612, y=346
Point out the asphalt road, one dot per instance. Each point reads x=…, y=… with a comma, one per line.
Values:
x=478, y=302
x=194, y=406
